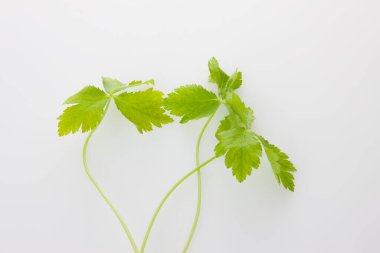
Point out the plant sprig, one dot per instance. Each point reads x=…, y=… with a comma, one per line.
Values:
x=238, y=143
x=88, y=107
x=241, y=147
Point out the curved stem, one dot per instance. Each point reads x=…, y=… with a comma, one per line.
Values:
x=166, y=197
x=199, y=178
x=93, y=181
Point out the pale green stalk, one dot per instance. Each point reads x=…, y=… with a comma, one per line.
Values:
x=199, y=177
x=93, y=181
x=166, y=197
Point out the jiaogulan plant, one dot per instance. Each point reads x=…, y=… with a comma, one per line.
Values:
x=241, y=147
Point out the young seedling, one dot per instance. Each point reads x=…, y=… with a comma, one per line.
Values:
x=241, y=147
x=88, y=107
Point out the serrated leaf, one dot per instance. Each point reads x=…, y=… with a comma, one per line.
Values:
x=283, y=169
x=235, y=81
x=143, y=109
x=236, y=106
x=217, y=75
x=242, y=149
x=87, y=112
x=113, y=85
x=229, y=122
x=191, y=102
x=242, y=160
x=226, y=84
x=237, y=137
x=140, y=82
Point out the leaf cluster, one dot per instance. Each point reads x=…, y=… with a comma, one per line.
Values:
x=237, y=142
x=241, y=147
x=87, y=107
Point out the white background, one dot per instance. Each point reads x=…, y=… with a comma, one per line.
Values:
x=311, y=74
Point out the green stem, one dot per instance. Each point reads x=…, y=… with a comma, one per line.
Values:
x=166, y=197
x=93, y=181
x=199, y=177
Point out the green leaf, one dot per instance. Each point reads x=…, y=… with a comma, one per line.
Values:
x=191, y=102
x=242, y=148
x=283, y=169
x=229, y=122
x=235, y=81
x=140, y=82
x=242, y=160
x=236, y=106
x=237, y=137
x=226, y=84
x=243, y=151
x=217, y=75
x=113, y=85
x=86, y=113
x=143, y=108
